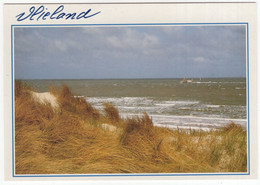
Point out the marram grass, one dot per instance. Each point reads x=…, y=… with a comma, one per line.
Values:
x=73, y=140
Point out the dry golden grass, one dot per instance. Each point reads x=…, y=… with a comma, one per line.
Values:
x=111, y=113
x=71, y=141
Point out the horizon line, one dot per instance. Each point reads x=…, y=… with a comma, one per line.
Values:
x=123, y=78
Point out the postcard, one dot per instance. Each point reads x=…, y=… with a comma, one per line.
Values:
x=130, y=91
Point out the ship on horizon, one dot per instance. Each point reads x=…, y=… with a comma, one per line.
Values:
x=184, y=80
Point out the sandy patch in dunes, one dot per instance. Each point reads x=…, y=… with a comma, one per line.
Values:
x=46, y=98
x=109, y=127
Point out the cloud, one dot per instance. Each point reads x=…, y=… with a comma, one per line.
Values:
x=63, y=45
x=138, y=51
x=150, y=41
x=199, y=59
x=115, y=42
x=60, y=45
x=131, y=40
x=172, y=30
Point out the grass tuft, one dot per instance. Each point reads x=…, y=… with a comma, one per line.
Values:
x=111, y=113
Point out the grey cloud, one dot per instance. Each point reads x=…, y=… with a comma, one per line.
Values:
x=134, y=52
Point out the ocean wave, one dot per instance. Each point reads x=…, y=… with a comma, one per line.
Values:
x=174, y=112
x=190, y=121
x=210, y=82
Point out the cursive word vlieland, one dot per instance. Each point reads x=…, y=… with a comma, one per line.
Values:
x=42, y=13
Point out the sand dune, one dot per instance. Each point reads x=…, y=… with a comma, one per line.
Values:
x=46, y=98
x=109, y=127
x=78, y=139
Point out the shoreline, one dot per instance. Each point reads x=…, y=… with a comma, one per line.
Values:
x=166, y=121
x=48, y=98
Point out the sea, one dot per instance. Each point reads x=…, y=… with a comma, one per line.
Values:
x=207, y=103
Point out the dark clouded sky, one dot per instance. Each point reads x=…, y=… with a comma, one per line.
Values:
x=129, y=52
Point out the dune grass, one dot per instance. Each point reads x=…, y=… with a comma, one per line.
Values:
x=71, y=140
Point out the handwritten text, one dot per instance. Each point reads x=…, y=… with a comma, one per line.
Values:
x=42, y=13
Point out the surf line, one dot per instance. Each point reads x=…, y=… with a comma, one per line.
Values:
x=42, y=13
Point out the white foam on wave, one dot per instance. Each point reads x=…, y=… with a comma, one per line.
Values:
x=141, y=104
x=174, y=103
x=189, y=117
x=174, y=127
x=210, y=82
x=160, y=111
x=239, y=88
x=115, y=99
x=165, y=104
x=138, y=100
x=78, y=96
x=214, y=106
x=190, y=121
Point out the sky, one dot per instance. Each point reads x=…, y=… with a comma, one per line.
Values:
x=129, y=52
